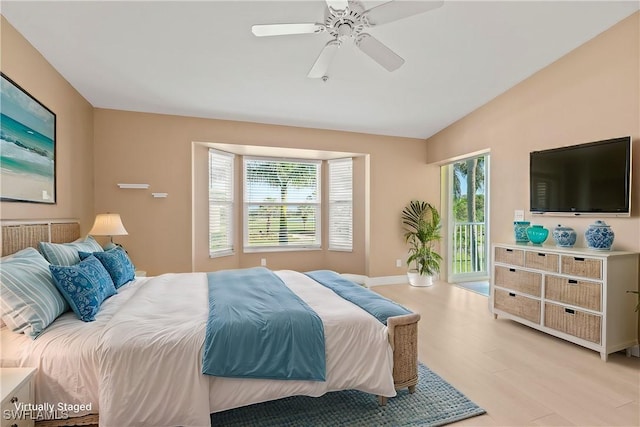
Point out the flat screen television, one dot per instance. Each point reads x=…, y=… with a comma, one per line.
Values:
x=592, y=178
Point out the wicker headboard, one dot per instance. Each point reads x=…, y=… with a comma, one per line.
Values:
x=17, y=235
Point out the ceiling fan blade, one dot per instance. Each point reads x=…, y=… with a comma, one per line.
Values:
x=321, y=65
x=286, y=29
x=379, y=52
x=395, y=10
x=337, y=4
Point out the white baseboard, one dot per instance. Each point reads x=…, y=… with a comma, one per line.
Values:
x=386, y=280
x=376, y=281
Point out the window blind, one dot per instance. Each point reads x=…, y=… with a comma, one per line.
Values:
x=281, y=203
x=341, y=204
x=220, y=203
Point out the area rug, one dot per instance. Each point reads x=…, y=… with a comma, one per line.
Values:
x=481, y=288
x=434, y=403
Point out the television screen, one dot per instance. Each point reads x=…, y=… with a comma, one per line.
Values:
x=585, y=178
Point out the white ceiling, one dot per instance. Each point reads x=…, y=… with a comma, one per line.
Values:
x=200, y=58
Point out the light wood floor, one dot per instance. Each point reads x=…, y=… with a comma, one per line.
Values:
x=520, y=376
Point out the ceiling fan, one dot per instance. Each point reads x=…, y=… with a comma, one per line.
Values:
x=348, y=20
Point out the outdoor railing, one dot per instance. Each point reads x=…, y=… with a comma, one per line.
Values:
x=469, y=247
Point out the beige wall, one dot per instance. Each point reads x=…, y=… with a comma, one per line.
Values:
x=593, y=93
x=74, y=130
x=157, y=150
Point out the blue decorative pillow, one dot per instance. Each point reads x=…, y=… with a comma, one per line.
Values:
x=29, y=299
x=84, y=285
x=67, y=253
x=117, y=263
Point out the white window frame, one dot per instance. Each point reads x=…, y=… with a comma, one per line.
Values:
x=227, y=205
x=338, y=171
x=247, y=248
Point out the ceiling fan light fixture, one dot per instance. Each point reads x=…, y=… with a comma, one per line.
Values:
x=347, y=19
x=345, y=30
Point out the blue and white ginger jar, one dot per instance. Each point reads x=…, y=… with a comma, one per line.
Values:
x=564, y=237
x=599, y=236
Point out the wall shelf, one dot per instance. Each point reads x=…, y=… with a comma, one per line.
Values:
x=134, y=186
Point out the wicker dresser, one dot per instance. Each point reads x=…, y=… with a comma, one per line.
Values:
x=575, y=294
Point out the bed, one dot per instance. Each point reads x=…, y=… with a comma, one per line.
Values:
x=151, y=333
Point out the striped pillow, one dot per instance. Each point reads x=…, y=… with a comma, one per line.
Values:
x=29, y=300
x=67, y=253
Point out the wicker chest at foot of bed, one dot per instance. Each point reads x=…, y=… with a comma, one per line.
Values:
x=403, y=337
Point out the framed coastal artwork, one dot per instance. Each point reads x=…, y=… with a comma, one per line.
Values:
x=28, y=150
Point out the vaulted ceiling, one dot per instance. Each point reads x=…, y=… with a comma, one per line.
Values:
x=201, y=59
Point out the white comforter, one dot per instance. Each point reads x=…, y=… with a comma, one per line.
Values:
x=140, y=361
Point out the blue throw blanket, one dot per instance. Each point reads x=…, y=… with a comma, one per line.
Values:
x=258, y=328
x=376, y=305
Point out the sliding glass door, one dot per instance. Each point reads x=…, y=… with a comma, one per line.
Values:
x=468, y=219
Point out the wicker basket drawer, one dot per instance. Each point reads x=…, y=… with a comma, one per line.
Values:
x=509, y=256
x=584, y=267
x=542, y=261
x=581, y=293
x=518, y=280
x=518, y=305
x=573, y=322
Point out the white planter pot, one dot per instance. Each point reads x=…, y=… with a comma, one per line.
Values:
x=417, y=280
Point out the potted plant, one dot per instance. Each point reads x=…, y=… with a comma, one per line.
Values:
x=422, y=226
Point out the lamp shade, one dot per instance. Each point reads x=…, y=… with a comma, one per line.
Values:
x=108, y=224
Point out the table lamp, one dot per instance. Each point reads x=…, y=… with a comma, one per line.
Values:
x=108, y=224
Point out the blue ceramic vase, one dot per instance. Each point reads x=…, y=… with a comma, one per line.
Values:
x=537, y=234
x=565, y=237
x=599, y=236
x=520, y=231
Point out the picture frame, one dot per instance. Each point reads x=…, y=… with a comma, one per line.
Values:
x=28, y=154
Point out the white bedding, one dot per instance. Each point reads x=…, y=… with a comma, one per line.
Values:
x=139, y=363
x=65, y=354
